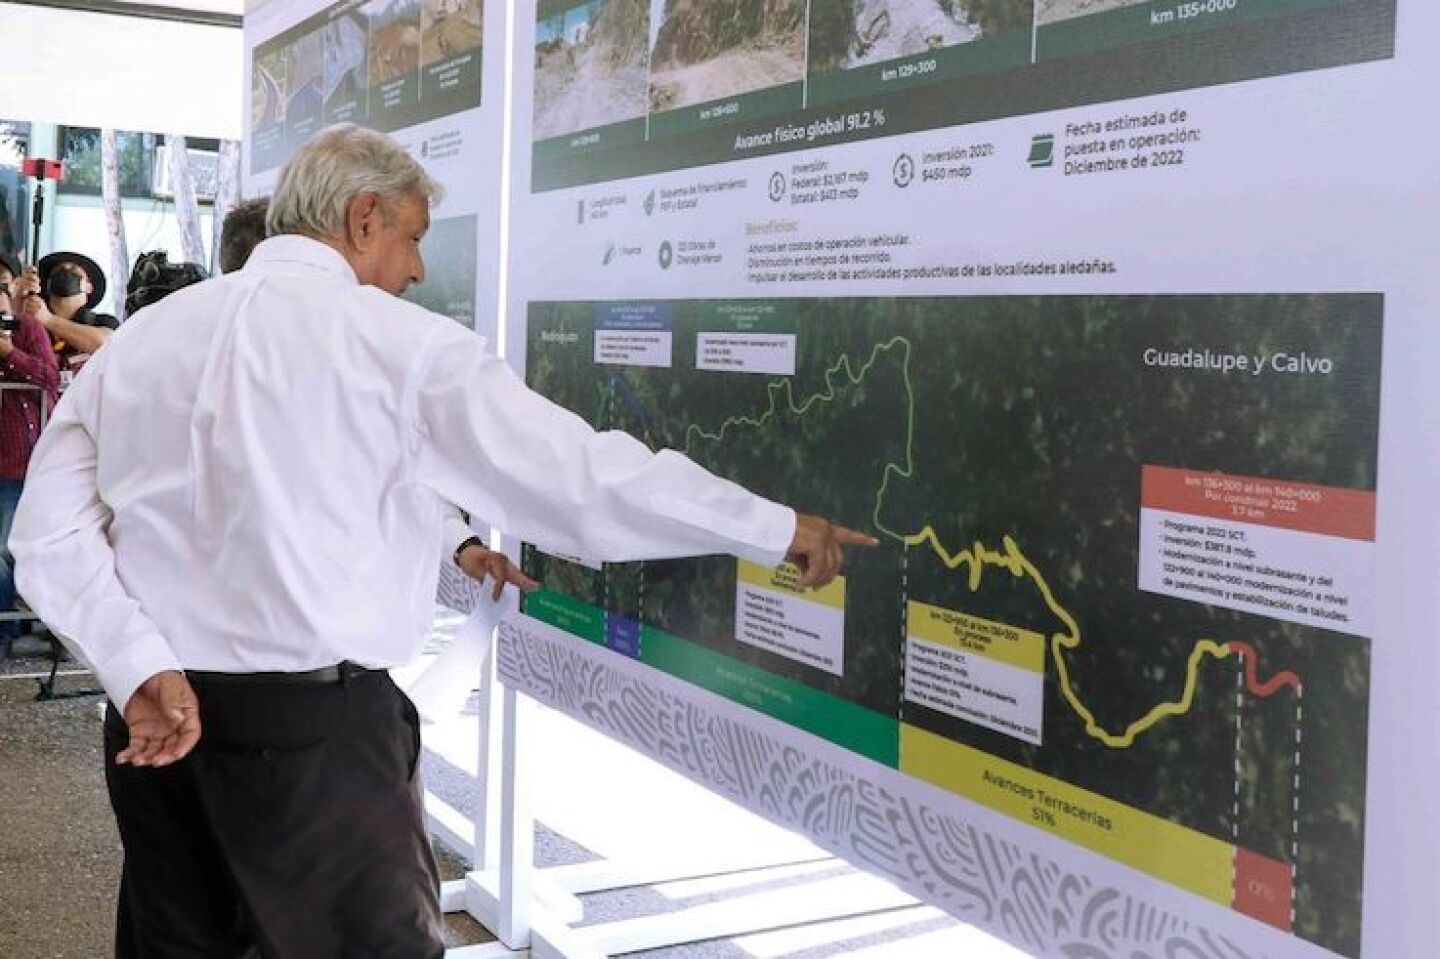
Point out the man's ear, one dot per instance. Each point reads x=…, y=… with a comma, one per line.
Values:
x=362, y=219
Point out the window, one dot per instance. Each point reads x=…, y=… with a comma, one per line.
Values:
x=14, y=142
x=142, y=163
x=80, y=152
x=204, y=172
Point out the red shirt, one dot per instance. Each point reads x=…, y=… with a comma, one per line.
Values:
x=31, y=361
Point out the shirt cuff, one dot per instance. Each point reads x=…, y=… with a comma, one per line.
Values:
x=128, y=669
x=456, y=531
x=776, y=524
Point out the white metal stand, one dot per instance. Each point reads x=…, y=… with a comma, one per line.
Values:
x=537, y=912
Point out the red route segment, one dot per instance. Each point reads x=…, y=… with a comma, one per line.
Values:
x=1251, y=659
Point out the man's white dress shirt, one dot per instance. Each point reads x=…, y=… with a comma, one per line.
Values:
x=253, y=475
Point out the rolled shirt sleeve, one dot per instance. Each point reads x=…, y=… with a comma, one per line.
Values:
x=536, y=470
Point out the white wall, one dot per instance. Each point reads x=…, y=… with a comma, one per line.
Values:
x=128, y=73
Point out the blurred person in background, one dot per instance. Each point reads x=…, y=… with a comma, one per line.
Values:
x=154, y=277
x=26, y=360
x=62, y=291
x=243, y=228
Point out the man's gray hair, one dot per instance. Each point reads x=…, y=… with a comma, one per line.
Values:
x=331, y=169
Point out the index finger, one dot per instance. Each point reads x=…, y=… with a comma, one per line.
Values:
x=848, y=537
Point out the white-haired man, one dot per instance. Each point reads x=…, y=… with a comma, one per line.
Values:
x=232, y=518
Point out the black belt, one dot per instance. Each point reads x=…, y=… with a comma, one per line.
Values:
x=325, y=675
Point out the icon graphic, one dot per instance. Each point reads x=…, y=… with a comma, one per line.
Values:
x=580, y=212
x=649, y=204
x=609, y=254
x=1042, y=151
x=904, y=170
x=777, y=186
x=666, y=255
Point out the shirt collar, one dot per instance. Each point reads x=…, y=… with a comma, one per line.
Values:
x=296, y=250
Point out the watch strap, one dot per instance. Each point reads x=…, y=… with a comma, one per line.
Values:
x=466, y=544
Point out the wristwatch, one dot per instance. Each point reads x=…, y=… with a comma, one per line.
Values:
x=466, y=544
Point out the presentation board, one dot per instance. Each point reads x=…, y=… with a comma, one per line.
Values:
x=428, y=72
x=431, y=74
x=1112, y=321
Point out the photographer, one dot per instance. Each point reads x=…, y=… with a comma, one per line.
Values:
x=62, y=293
x=155, y=277
x=25, y=358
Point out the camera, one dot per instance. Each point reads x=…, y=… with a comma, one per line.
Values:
x=155, y=277
x=8, y=324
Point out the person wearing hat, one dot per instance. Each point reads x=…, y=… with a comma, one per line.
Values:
x=61, y=291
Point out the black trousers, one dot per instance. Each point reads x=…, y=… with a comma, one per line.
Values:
x=294, y=830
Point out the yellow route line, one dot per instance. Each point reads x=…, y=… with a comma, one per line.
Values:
x=1011, y=559
x=978, y=557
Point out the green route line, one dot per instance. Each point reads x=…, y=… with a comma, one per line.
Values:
x=843, y=367
x=977, y=557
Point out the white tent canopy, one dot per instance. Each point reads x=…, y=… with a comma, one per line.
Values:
x=125, y=71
